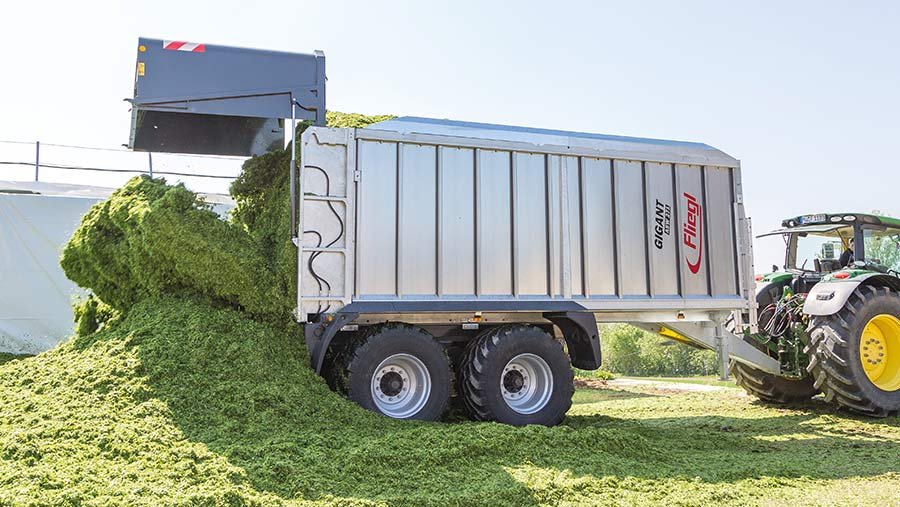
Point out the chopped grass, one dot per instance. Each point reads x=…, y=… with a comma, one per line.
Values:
x=699, y=380
x=187, y=385
x=6, y=357
x=599, y=374
x=184, y=404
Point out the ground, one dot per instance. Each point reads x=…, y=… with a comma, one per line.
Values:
x=182, y=404
x=721, y=446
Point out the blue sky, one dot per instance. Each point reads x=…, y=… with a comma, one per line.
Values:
x=804, y=93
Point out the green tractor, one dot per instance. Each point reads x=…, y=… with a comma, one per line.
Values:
x=832, y=316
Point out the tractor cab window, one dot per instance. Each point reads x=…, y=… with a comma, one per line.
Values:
x=818, y=251
x=882, y=247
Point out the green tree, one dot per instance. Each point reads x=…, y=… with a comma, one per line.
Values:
x=628, y=350
x=621, y=350
x=884, y=249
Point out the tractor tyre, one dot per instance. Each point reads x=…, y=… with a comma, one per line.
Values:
x=517, y=375
x=772, y=388
x=855, y=353
x=400, y=371
x=768, y=387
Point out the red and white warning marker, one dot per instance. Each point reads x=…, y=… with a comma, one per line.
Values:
x=180, y=45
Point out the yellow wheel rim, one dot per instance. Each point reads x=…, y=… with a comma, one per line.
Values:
x=879, y=351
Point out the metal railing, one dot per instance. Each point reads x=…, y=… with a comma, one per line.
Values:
x=20, y=160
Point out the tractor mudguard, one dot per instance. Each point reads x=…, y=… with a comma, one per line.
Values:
x=827, y=298
x=778, y=278
x=774, y=285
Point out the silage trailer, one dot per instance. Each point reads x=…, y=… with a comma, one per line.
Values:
x=439, y=258
x=488, y=254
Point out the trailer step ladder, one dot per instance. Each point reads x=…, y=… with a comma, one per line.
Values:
x=338, y=200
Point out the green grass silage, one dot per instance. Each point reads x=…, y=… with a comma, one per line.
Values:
x=187, y=385
x=180, y=403
x=6, y=357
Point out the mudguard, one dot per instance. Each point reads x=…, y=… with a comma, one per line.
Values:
x=827, y=298
x=778, y=279
x=582, y=337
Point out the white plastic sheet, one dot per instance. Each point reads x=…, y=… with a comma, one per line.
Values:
x=36, y=220
x=35, y=295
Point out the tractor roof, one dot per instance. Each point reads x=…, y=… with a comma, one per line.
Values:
x=817, y=229
x=839, y=219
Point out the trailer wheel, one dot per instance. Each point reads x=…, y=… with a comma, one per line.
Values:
x=766, y=386
x=517, y=375
x=401, y=372
x=855, y=353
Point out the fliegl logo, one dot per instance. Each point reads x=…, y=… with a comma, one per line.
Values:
x=692, y=233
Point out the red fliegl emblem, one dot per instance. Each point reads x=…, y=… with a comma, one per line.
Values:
x=692, y=233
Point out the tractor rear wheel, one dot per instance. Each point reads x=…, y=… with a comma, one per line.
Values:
x=772, y=388
x=855, y=353
x=766, y=386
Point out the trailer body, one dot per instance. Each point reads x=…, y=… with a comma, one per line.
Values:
x=447, y=223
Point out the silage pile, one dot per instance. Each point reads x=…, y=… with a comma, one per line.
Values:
x=151, y=239
x=188, y=384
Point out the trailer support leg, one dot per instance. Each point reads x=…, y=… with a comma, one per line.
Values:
x=722, y=351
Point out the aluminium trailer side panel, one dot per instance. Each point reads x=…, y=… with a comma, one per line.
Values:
x=467, y=220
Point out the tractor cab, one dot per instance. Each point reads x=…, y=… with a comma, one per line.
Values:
x=816, y=246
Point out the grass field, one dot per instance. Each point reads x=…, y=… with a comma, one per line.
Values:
x=724, y=448
x=182, y=405
x=700, y=380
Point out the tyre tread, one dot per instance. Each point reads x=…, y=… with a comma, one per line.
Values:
x=772, y=388
x=472, y=371
x=362, y=353
x=831, y=355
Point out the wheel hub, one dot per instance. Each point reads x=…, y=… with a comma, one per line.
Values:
x=401, y=386
x=879, y=351
x=514, y=379
x=391, y=383
x=526, y=383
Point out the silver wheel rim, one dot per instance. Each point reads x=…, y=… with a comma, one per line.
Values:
x=401, y=386
x=526, y=383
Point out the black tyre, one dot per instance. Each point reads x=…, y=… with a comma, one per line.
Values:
x=855, y=353
x=337, y=358
x=401, y=372
x=772, y=388
x=766, y=386
x=517, y=375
